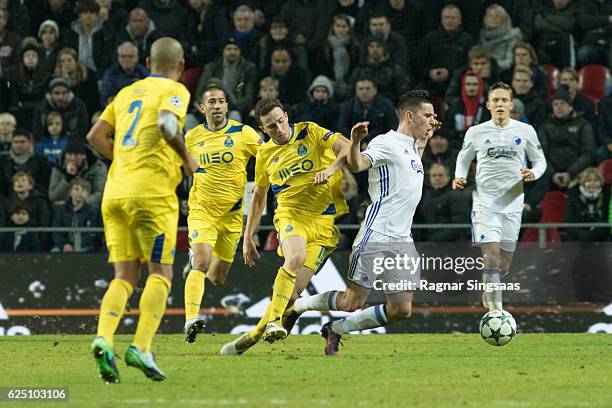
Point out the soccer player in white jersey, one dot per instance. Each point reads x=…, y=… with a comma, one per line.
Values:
x=393, y=161
x=500, y=146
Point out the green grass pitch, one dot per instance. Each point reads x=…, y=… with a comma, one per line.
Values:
x=416, y=370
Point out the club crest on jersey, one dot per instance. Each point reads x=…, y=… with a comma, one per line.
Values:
x=194, y=234
x=276, y=159
x=176, y=101
x=487, y=141
x=418, y=167
x=302, y=150
x=201, y=144
x=289, y=228
x=517, y=140
x=228, y=142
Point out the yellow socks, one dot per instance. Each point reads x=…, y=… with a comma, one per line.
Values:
x=283, y=288
x=258, y=331
x=152, y=308
x=112, y=308
x=194, y=291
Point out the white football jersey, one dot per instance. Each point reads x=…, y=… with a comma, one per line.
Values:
x=500, y=154
x=395, y=184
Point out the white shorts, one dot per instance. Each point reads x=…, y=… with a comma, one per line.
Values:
x=493, y=227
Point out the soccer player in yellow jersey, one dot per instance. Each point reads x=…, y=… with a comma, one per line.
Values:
x=139, y=205
x=223, y=148
x=299, y=163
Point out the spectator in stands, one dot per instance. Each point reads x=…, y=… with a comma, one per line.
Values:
x=279, y=37
x=567, y=139
x=49, y=36
x=76, y=213
x=302, y=17
x=595, y=36
x=206, y=31
x=524, y=54
x=396, y=48
x=9, y=46
x=21, y=158
x=518, y=111
x=77, y=161
x=29, y=83
x=391, y=80
x=406, y=18
x=534, y=193
x=244, y=33
x=92, y=40
x=522, y=85
x=81, y=79
x=269, y=88
x=8, y=124
x=367, y=106
x=497, y=35
x=444, y=50
x=237, y=77
x=588, y=202
x=581, y=104
x=24, y=192
x=19, y=241
x=113, y=15
x=141, y=31
x=292, y=79
x=604, y=130
x=52, y=144
x=439, y=150
x=61, y=99
x=122, y=74
x=443, y=205
x=169, y=16
x=59, y=11
x=19, y=17
x=319, y=105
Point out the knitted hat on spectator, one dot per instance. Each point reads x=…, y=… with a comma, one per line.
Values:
x=563, y=94
x=378, y=38
x=49, y=23
x=518, y=106
x=30, y=47
x=75, y=146
x=58, y=81
x=232, y=41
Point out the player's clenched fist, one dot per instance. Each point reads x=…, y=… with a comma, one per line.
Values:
x=459, y=183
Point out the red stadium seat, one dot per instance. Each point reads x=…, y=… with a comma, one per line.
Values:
x=190, y=78
x=553, y=208
x=182, y=241
x=592, y=80
x=271, y=243
x=605, y=168
x=552, y=80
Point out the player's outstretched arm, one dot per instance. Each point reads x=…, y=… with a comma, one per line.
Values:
x=168, y=126
x=340, y=149
x=100, y=137
x=258, y=202
x=464, y=160
x=357, y=162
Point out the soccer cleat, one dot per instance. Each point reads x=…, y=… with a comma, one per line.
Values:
x=332, y=338
x=274, y=332
x=239, y=346
x=145, y=362
x=289, y=321
x=105, y=361
x=192, y=328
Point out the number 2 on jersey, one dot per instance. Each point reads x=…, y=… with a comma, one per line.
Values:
x=128, y=139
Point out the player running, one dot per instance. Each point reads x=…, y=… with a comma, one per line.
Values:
x=139, y=206
x=223, y=148
x=393, y=161
x=499, y=146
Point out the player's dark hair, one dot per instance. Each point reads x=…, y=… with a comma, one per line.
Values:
x=412, y=101
x=211, y=87
x=501, y=85
x=265, y=106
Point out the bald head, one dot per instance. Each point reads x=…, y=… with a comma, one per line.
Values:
x=166, y=57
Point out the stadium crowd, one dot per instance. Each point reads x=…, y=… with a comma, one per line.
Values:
x=333, y=62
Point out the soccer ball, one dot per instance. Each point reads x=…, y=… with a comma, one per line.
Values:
x=497, y=327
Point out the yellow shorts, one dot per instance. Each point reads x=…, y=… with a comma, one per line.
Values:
x=137, y=228
x=320, y=234
x=222, y=233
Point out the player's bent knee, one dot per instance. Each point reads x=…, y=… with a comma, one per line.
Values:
x=399, y=311
x=295, y=262
x=216, y=280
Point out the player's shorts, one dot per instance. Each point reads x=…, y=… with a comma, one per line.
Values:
x=320, y=234
x=493, y=227
x=385, y=263
x=221, y=233
x=141, y=228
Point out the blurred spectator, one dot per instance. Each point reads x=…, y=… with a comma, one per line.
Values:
x=518, y=111
x=522, y=85
x=37, y=203
x=293, y=80
x=604, y=130
x=21, y=158
x=49, y=36
x=90, y=38
x=595, y=36
x=244, y=33
x=141, y=31
x=439, y=150
x=81, y=79
x=61, y=99
x=588, y=202
x=406, y=18
x=8, y=124
x=338, y=54
x=443, y=205
x=269, y=88
x=302, y=18
x=581, y=104
x=236, y=75
x=567, y=139
x=19, y=17
x=112, y=15
x=169, y=16
x=122, y=74
x=60, y=11
x=77, y=162
x=497, y=35
x=206, y=32
x=319, y=105
x=9, y=46
x=391, y=80
x=469, y=110
x=19, y=241
x=350, y=192
x=524, y=54
x=279, y=37
x=29, y=84
x=534, y=193
x=75, y=213
x=396, y=48
x=368, y=106
x=54, y=141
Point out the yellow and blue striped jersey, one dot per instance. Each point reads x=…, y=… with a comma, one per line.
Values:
x=290, y=169
x=218, y=185
x=144, y=164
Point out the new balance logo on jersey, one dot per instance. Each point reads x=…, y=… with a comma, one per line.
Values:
x=487, y=141
x=406, y=151
x=496, y=153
